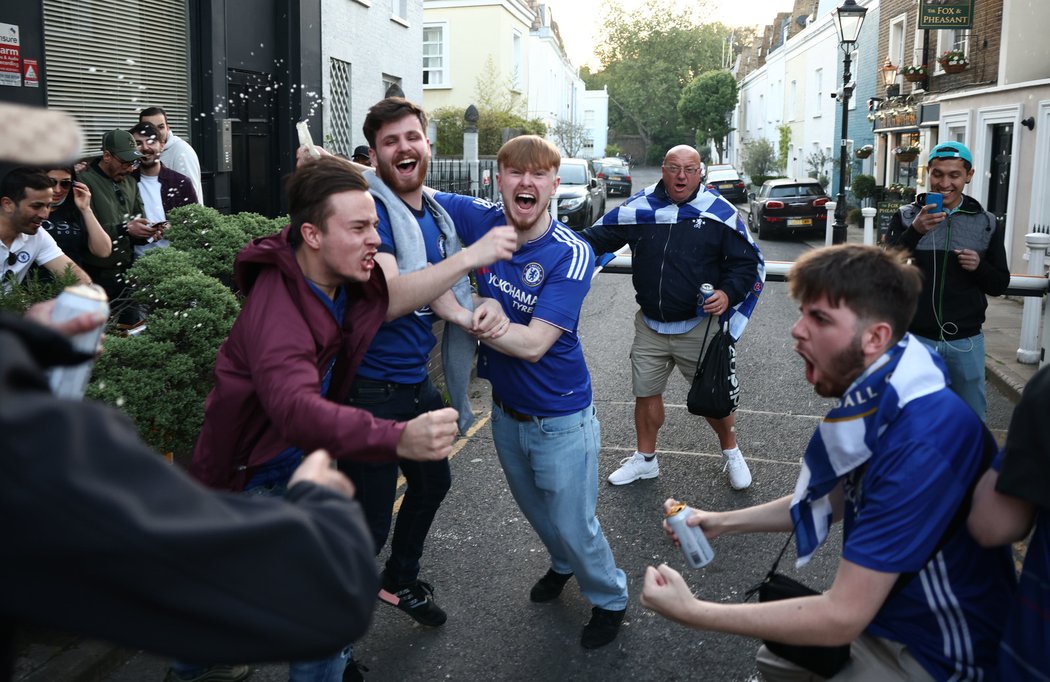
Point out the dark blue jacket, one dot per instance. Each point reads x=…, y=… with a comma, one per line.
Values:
x=672, y=260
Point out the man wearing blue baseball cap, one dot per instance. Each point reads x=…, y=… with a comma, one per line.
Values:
x=959, y=248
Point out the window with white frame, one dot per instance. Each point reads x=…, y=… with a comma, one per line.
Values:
x=818, y=91
x=895, y=50
x=435, y=55
x=399, y=9
x=792, y=93
x=952, y=39
x=516, y=59
x=389, y=82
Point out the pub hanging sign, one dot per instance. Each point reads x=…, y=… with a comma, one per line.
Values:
x=945, y=14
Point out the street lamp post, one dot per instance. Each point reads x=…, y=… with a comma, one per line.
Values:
x=848, y=19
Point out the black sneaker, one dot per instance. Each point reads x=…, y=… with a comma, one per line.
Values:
x=602, y=628
x=416, y=599
x=353, y=671
x=549, y=586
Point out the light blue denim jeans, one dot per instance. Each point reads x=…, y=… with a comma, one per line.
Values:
x=551, y=464
x=965, y=361
x=321, y=670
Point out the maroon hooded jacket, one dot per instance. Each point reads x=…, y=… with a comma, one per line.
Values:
x=267, y=394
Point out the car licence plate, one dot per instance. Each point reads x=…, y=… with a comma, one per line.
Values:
x=799, y=221
x=725, y=185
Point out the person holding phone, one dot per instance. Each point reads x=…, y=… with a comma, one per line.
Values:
x=959, y=248
x=162, y=189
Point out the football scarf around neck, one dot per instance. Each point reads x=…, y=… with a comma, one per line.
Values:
x=848, y=435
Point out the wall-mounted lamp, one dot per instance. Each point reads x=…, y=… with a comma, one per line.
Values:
x=1029, y=122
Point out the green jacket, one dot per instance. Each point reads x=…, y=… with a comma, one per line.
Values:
x=113, y=214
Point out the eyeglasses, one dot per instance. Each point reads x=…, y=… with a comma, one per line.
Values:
x=675, y=170
x=120, y=195
x=64, y=184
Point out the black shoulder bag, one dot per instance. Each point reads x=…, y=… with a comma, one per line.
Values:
x=715, y=392
x=826, y=661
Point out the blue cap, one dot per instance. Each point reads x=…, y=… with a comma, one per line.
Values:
x=951, y=150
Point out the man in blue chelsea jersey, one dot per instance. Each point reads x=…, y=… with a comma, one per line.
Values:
x=543, y=423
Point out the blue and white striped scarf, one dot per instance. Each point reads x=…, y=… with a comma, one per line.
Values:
x=849, y=433
x=647, y=207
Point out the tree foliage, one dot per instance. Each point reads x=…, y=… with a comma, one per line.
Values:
x=501, y=114
x=759, y=158
x=570, y=137
x=647, y=57
x=707, y=105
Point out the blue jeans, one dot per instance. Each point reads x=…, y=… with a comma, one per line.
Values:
x=551, y=464
x=965, y=361
x=321, y=670
x=376, y=484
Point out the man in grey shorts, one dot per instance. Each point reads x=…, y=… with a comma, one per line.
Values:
x=681, y=236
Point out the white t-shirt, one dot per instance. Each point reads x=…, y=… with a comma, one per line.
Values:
x=149, y=190
x=39, y=248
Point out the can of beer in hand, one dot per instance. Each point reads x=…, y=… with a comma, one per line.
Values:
x=694, y=544
x=71, y=382
x=706, y=290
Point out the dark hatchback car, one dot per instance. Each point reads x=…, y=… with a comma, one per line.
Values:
x=617, y=177
x=788, y=207
x=727, y=182
x=580, y=197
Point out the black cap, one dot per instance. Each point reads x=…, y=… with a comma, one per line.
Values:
x=360, y=151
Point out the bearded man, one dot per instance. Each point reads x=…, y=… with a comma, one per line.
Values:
x=420, y=256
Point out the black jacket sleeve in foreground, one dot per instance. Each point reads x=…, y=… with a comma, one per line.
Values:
x=103, y=537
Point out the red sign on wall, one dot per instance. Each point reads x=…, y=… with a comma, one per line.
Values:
x=10, y=56
x=30, y=73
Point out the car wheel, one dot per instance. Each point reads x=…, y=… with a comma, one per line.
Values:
x=751, y=220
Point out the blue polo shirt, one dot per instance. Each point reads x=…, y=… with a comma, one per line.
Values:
x=547, y=279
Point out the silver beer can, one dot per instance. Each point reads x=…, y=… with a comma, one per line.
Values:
x=71, y=382
x=706, y=290
x=691, y=539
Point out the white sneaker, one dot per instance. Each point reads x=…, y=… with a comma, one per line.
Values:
x=739, y=474
x=634, y=467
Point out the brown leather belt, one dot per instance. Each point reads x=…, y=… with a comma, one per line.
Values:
x=511, y=412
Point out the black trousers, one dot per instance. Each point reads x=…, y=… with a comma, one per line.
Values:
x=376, y=484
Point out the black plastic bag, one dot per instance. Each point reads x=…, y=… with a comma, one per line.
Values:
x=715, y=392
x=825, y=661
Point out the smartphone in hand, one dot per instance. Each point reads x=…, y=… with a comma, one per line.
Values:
x=935, y=198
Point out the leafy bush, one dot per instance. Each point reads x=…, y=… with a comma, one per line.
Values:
x=255, y=225
x=759, y=159
x=36, y=287
x=863, y=186
x=210, y=238
x=855, y=217
x=161, y=376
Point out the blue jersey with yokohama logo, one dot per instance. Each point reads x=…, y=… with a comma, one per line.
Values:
x=547, y=278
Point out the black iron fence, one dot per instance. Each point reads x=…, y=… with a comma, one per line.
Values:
x=454, y=175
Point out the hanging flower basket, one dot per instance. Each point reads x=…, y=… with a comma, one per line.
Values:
x=953, y=61
x=864, y=152
x=914, y=73
x=907, y=154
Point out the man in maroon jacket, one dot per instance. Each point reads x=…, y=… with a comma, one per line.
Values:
x=312, y=307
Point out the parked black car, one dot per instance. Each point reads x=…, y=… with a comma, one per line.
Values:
x=786, y=206
x=580, y=197
x=617, y=176
x=727, y=182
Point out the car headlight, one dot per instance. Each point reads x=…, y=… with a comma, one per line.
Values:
x=571, y=204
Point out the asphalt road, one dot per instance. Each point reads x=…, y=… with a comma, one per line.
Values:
x=482, y=556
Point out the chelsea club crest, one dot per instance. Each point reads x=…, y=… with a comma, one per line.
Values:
x=532, y=275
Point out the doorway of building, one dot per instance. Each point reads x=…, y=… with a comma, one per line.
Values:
x=253, y=108
x=999, y=182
